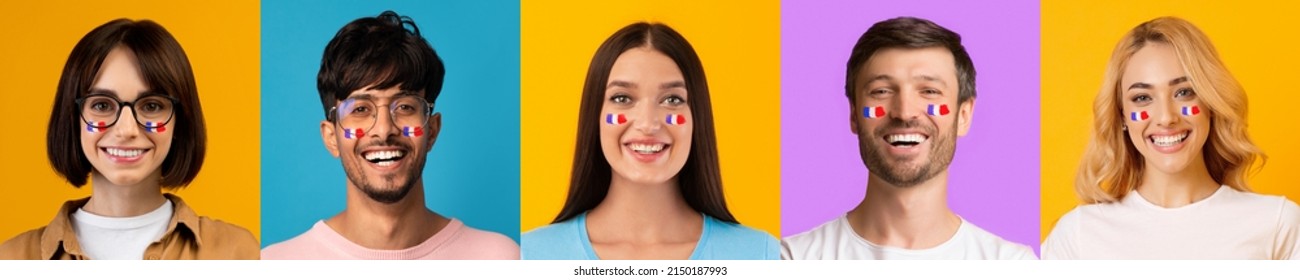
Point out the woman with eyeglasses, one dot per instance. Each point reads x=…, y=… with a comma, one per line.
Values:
x=127, y=121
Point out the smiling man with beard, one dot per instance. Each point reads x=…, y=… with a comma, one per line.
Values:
x=378, y=82
x=911, y=89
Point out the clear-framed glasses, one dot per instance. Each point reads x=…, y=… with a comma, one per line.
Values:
x=408, y=112
x=101, y=111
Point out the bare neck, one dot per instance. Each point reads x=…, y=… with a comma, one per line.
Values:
x=643, y=213
x=913, y=217
x=1181, y=188
x=376, y=225
x=113, y=200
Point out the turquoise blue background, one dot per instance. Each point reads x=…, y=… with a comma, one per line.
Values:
x=472, y=174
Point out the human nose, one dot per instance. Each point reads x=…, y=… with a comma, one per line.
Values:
x=646, y=118
x=907, y=106
x=127, y=125
x=384, y=123
x=1164, y=113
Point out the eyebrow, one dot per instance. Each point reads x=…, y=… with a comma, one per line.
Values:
x=105, y=91
x=1175, y=81
x=673, y=84
x=928, y=78
x=617, y=83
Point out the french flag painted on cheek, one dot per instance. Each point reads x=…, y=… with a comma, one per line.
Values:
x=1191, y=110
x=154, y=127
x=615, y=119
x=412, y=131
x=873, y=112
x=1138, y=116
x=675, y=119
x=937, y=109
x=353, y=133
x=96, y=127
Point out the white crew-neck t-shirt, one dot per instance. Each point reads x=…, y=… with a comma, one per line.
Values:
x=836, y=240
x=1230, y=224
x=120, y=238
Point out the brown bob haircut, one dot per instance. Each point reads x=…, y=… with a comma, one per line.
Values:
x=164, y=68
x=378, y=52
x=911, y=33
x=700, y=180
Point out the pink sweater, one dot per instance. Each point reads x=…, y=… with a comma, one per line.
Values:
x=454, y=242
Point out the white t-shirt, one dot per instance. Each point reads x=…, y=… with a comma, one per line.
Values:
x=836, y=240
x=1229, y=224
x=113, y=238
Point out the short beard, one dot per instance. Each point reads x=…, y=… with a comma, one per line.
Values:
x=941, y=153
x=388, y=196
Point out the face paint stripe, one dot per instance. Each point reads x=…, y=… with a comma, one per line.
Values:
x=1138, y=116
x=873, y=112
x=615, y=119
x=410, y=131
x=1191, y=110
x=96, y=126
x=353, y=133
x=937, y=109
x=675, y=119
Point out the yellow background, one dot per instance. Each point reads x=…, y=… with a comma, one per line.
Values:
x=221, y=40
x=1257, y=41
x=739, y=43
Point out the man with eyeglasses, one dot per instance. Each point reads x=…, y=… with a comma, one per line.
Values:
x=378, y=82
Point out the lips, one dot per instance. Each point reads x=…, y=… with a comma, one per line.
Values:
x=124, y=154
x=905, y=139
x=1168, y=142
x=384, y=157
x=646, y=150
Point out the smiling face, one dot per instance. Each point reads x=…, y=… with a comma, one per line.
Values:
x=381, y=161
x=652, y=141
x=125, y=153
x=915, y=138
x=1155, y=90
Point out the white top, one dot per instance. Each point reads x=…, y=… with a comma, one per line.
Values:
x=836, y=240
x=1230, y=224
x=120, y=238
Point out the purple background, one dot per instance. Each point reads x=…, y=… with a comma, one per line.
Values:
x=994, y=177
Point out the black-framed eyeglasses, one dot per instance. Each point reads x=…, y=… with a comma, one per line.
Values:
x=100, y=111
x=362, y=113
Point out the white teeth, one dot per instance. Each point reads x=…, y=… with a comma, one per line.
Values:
x=914, y=138
x=1168, y=140
x=383, y=155
x=647, y=148
x=124, y=152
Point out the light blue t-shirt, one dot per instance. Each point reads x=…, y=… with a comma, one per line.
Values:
x=718, y=241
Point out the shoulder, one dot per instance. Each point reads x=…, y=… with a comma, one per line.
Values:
x=995, y=247
x=293, y=248
x=817, y=243
x=227, y=240
x=815, y=235
x=556, y=241
x=736, y=241
x=25, y=246
x=489, y=245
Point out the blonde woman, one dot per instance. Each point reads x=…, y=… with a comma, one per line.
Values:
x=1164, y=176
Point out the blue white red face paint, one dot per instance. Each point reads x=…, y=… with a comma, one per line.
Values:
x=937, y=109
x=675, y=119
x=1191, y=110
x=96, y=127
x=412, y=131
x=1138, y=116
x=154, y=127
x=615, y=119
x=873, y=112
x=353, y=133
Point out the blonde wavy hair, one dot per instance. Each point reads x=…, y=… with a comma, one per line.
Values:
x=1112, y=166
